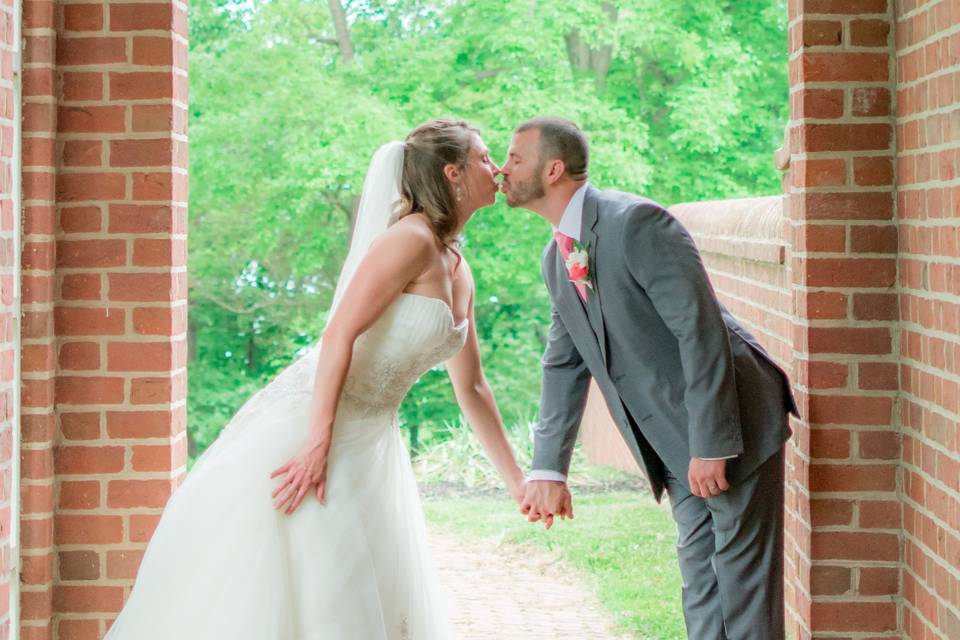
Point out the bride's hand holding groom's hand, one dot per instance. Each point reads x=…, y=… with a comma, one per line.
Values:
x=545, y=500
x=517, y=490
x=304, y=472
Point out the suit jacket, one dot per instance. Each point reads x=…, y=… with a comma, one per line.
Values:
x=679, y=374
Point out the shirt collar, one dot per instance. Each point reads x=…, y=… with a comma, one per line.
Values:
x=573, y=215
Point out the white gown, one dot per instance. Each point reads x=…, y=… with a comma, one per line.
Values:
x=223, y=564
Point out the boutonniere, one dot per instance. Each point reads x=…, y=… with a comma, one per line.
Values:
x=578, y=265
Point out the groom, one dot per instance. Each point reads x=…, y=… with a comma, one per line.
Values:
x=699, y=402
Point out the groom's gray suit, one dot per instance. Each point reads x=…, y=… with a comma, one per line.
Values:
x=682, y=379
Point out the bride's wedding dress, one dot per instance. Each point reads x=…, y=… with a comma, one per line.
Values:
x=224, y=565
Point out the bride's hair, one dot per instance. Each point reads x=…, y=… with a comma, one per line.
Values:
x=424, y=187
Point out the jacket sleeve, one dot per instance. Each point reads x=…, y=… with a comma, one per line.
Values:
x=563, y=397
x=664, y=261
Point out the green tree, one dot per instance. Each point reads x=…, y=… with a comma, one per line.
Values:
x=681, y=100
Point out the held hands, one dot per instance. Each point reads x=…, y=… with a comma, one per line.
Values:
x=546, y=499
x=517, y=490
x=708, y=478
x=306, y=470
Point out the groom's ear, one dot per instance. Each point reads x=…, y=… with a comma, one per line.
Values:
x=555, y=170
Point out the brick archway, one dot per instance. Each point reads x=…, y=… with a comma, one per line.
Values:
x=865, y=295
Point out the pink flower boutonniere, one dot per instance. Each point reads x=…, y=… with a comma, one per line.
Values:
x=578, y=265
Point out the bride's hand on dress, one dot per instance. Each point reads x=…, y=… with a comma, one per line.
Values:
x=304, y=472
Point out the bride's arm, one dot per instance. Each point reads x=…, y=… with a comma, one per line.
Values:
x=393, y=261
x=479, y=406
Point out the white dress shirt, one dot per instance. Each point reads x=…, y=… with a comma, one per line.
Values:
x=570, y=223
x=573, y=214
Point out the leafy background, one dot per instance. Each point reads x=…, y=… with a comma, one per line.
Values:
x=681, y=100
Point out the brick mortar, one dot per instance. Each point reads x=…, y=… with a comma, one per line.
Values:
x=836, y=84
x=916, y=612
x=930, y=150
x=936, y=446
x=934, y=371
x=946, y=603
x=933, y=554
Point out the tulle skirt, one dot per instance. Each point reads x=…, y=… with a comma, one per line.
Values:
x=223, y=563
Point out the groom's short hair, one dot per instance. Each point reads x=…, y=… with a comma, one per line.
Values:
x=561, y=139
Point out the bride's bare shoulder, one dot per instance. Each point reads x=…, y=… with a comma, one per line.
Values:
x=412, y=233
x=463, y=283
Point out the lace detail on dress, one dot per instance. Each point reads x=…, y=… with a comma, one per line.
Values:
x=296, y=379
x=379, y=387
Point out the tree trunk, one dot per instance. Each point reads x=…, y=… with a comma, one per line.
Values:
x=351, y=213
x=191, y=444
x=414, y=439
x=585, y=58
x=251, y=351
x=578, y=51
x=191, y=339
x=343, y=31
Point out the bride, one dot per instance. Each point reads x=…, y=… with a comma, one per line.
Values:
x=302, y=521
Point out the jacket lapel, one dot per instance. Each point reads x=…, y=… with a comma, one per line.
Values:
x=589, y=238
x=571, y=308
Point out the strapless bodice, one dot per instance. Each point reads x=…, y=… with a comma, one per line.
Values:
x=413, y=335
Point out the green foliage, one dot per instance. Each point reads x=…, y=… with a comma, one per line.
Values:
x=681, y=100
x=623, y=542
x=457, y=464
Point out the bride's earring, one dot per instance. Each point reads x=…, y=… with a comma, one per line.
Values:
x=459, y=194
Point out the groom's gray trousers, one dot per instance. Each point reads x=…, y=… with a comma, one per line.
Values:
x=730, y=549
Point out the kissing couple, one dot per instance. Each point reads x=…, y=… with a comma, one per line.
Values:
x=302, y=521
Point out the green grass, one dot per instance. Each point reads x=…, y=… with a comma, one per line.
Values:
x=623, y=542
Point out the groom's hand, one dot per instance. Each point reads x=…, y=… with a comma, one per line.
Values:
x=546, y=499
x=708, y=478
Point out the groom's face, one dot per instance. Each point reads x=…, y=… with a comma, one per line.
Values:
x=523, y=170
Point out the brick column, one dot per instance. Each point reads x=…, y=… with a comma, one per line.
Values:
x=106, y=165
x=10, y=295
x=928, y=143
x=38, y=368
x=844, y=543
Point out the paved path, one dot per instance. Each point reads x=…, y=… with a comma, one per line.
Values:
x=502, y=592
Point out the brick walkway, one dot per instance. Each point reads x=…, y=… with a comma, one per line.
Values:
x=500, y=592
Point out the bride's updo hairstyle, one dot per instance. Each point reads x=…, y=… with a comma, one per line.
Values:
x=424, y=187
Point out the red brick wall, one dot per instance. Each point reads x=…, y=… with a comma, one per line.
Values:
x=38, y=367
x=744, y=244
x=846, y=545
x=9, y=303
x=104, y=345
x=928, y=205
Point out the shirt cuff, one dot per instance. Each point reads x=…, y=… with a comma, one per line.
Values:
x=546, y=474
x=723, y=458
